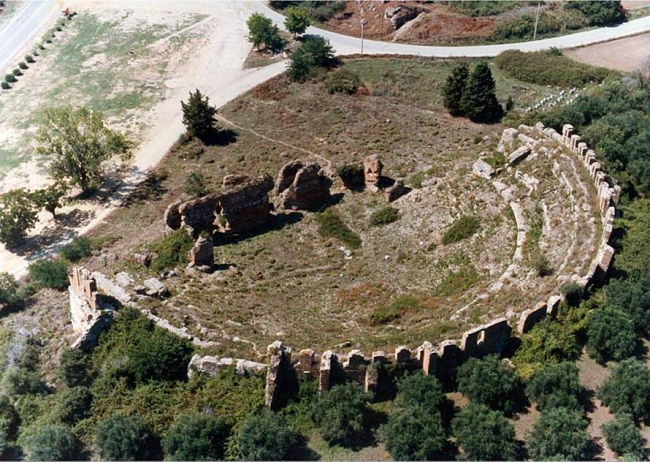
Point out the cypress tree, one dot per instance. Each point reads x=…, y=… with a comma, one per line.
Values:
x=479, y=100
x=454, y=89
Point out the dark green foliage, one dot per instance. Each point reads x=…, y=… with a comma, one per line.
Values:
x=479, y=101
x=10, y=78
x=489, y=381
x=9, y=422
x=632, y=296
x=19, y=381
x=266, y=436
x=8, y=289
x=126, y=438
x=542, y=266
x=198, y=115
x=343, y=81
x=171, y=251
x=50, y=272
x=77, y=249
x=5, y=86
x=74, y=404
x=296, y=20
x=420, y=390
x=17, y=72
x=611, y=336
x=548, y=22
x=331, y=225
x=18, y=214
x=414, y=434
x=73, y=368
x=628, y=389
x=314, y=52
x=483, y=8
x=484, y=434
x=384, y=216
x=22, y=65
x=50, y=198
x=556, y=385
x=460, y=229
x=634, y=257
x=600, y=12
x=29, y=59
x=560, y=433
x=195, y=185
x=262, y=33
x=547, y=68
x=394, y=310
x=54, y=442
x=340, y=413
x=624, y=438
x=454, y=88
x=196, y=437
x=573, y=293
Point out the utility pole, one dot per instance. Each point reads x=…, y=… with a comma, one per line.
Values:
x=363, y=22
x=539, y=5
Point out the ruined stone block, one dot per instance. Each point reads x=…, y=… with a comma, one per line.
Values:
x=372, y=171
x=172, y=217
x=605, y=257
x=327, y=363
x=518, y=154
x=303, y=186
x=428, y=358
x=202, y=253
x=530, y=317
x=379, y=357
x=553, y=304
x=489, y=338
x=402, y=354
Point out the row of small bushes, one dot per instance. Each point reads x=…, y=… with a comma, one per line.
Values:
x=522, y=26
x=29, y=59
x=549, y=67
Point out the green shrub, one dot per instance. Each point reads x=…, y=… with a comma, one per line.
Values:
x=420, y=390
x=195, y=185
x=22, y=65
x=343, y=81
x=546, y=68
x=489, y=381
x=54, y=442
x=341, y=413
x=624, y=438
x=556, y=385
x=542, y=266
x=549, y=21
x=331, y=225
x=632, y=296
x=460, y=229
x=126, y=438
x=5, y=86
x=73, y=367
x=572, y=292
x=17, y=72
x=600, y=12
x=384, y=216
x=266, y=436
x=611, y=336
x=8, y=289
x=29, y=59
x=483, y=8
x=627, y=390
x=10, y=78
x=74, y=404
x=196, y=437
x=262, y=33
x=77, y=249
x=415, y=434
x=314, y=52
x=484, y=434
x=559, y=434
x=52, y=273
x=19, y=381
x=387, y=313
x=171, y=251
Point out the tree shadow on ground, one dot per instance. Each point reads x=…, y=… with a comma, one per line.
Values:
x=151, y=189
x=219, y=137
x=300, y=451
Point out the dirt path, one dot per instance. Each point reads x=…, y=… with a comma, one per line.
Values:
x=216, y=70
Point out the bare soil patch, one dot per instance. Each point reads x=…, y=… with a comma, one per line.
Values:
x=627, y=54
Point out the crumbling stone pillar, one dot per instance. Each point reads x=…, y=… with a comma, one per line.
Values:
x=202, y=253
x=327, y=363
x=372, y=170
x=280, y=376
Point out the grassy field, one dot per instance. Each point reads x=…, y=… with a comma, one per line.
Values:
x=111, y=61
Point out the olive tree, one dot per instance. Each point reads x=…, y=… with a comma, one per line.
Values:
x=79, y=144
x=266, y=436
x=18, y=214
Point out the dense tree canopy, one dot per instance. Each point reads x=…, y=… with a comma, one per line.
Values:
x=624, y=438
x=297, y=20
x=54, y=442
x=266, y=436
x=79, y=144
x=196, y=437
x=18, y=214
x=314, y=52
x=628, y=389
x=489, y=381
x=415, y=433
x=560, y=433
x=611, y=335
x=73, y=367
x=8, y=289
x=341, y=413
x=555, y=385
x=126, y=438
x=454, y=88
x=484, y=434
x=600, y=12
x=632, y=296
x=262, y=32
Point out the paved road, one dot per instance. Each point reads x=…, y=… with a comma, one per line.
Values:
x=18, y=32
x=344, y=44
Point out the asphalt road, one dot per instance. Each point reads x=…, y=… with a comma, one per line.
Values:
x=18, y=32
x=344, y=44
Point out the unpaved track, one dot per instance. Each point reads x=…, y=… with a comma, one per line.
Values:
x=626, y=54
